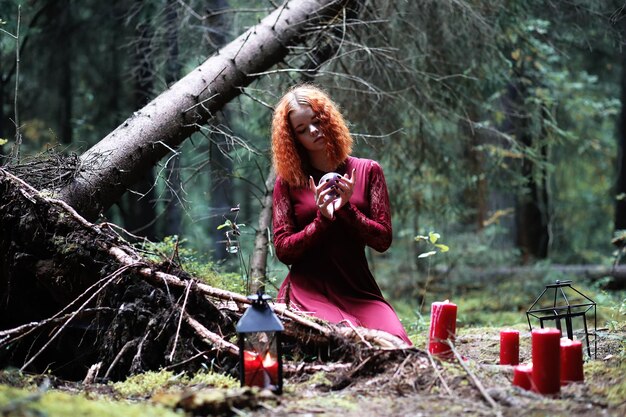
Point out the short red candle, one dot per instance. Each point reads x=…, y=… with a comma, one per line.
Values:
x=522, y=376
x=571, y=361
x=546, y=347
x=253, y=369
x=509, y=347
x=442, y=327
x=260, y=373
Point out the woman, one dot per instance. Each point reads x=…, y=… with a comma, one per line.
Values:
x=322, y=238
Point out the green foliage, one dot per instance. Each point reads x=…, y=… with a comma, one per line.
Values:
x=214, y=379
x=335, y=403
x=431, y=239
x=52, y=403
x=614, y=384
x=148, y=383
x=233, y=245
x=145, y=384
x=415, y=324
x=173, y=249
x=504, y=303
x=320, y=378
x=434, y=108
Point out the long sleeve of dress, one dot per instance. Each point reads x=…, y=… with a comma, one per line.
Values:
x=289, y=242
x=374, y=230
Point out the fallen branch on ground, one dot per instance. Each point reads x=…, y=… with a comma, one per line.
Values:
x=137, y=306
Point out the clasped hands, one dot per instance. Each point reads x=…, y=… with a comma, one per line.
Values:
x=331, y=196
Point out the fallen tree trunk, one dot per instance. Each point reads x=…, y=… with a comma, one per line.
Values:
x=93, y=299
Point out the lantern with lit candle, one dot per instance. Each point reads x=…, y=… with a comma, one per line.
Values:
x=260, y=356
x=559, y=304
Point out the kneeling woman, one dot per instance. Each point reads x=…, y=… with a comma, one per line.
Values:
x=321, y=230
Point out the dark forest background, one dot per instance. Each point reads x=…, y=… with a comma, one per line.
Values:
x=499, y=125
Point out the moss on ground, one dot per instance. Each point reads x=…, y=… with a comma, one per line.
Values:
x=53, y=403
x=148, y=383
x=608, y=379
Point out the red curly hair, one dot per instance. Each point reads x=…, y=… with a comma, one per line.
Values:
x=290, y=158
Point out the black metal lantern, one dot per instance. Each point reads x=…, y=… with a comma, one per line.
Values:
x=561, y=302
x=260, y=356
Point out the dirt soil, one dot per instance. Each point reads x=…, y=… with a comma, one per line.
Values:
x=390, y=383
x=409, y=386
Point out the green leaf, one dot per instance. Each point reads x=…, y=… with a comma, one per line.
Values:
x=3, y=141
x=442, y=247
x=227, y=223
x=433, y=237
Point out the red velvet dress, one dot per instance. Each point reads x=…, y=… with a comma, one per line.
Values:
x=329, y=275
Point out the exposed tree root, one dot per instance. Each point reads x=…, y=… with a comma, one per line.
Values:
x=76, y=298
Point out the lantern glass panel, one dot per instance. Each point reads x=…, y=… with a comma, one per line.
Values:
x=261, y=360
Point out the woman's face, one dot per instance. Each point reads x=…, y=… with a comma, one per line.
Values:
x=306, y=127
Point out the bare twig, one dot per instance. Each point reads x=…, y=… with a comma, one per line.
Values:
x=475, y=380
x=349, y=323
x=16, y=333
x=127, y=346
x=34, y=194
x=180, y=319
x=378, y=337
x=291, y=368
x=211, y=338
x=18, y=134
x=443, y=381
x=109, y=279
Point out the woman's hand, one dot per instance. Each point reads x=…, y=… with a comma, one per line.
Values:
x=328, y=204
x=345, y=188
x=322, y=200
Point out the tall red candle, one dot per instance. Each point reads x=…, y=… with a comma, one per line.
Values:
x=571, y=361
x=546, y=347
x=522, y=376
x=509, y=347
x=442, y=327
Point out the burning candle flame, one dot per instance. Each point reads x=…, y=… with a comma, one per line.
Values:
x=268, y=360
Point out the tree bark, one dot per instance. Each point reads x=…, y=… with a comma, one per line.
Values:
x=138, y=208
x=531, y=214
x=174, y=194
x=258, y=264
x=620, y=189
x=119, y=160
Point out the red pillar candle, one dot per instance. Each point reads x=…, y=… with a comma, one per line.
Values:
x=253, y=369
x=260, y=373
x=522, y=376
x=509, y=347
x=546, y=346
x=442, y=327
x=571, y=361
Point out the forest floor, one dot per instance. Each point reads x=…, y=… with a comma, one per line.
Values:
x=392, y=383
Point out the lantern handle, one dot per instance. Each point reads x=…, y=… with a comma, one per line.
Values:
x=259, y=298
